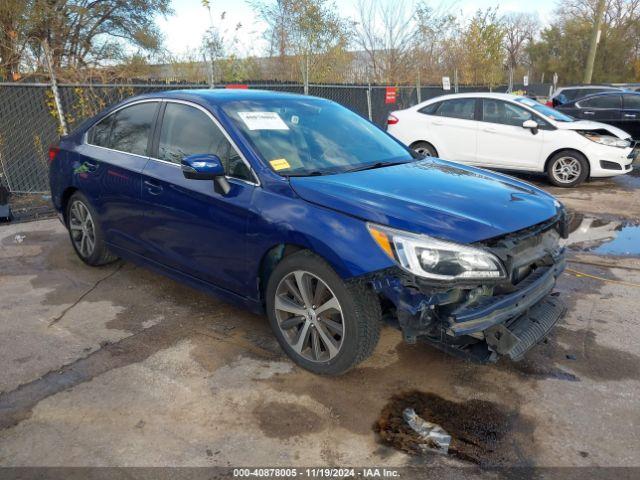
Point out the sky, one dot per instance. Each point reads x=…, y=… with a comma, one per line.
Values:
x=183, y=31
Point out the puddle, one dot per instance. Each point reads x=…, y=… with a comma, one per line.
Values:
x=480, y=429
x=630, y=180
x=603, y=237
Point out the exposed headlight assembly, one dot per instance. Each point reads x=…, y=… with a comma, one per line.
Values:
x=608, y=140
x=435, y=259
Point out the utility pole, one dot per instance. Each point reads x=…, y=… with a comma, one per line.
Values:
x=595, y=38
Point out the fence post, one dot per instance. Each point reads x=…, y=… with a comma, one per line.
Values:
x=54, y=88
x=455, y=80
x=3, y=174
x=306, y=74
x=369, y=102
x=418, y=88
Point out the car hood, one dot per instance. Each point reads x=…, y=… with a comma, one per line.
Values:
x=589, y=125
x=435, y=197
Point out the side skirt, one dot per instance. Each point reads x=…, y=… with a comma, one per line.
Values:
x=252, y=305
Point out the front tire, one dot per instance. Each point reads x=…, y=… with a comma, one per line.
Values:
x=322, y=323
x=85, y=232
x=567, y=169
x=424, y=148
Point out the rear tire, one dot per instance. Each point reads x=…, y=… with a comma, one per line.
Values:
x=567, y=169
x=85, y=232
x=329, y=340
x=424, y=148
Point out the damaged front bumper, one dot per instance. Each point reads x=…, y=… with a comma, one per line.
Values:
x=483, y=322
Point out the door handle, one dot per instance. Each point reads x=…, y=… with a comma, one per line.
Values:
x=489, y=130
x=153, y=188
x=589, y=113
x=629, y=115
x=438, y=123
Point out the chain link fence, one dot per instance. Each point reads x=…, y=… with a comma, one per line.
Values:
x=29, y=121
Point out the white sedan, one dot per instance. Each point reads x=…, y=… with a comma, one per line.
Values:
x=503, y=131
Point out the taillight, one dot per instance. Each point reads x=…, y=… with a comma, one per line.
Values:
x=53, y=152
x=392, y=120
x=549, y=103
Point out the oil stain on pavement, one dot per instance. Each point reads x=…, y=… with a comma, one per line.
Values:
x=480, y=429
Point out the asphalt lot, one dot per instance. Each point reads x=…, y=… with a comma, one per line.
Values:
x=118, y=366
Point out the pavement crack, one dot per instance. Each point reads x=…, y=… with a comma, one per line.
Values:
x=59, y=317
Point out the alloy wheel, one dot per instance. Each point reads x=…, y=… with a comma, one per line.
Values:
x=309, y=316
x=83, y=233
x=567, y=169
x=424, y=151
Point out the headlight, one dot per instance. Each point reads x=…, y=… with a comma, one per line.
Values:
x=435, y=259
x=608, y=140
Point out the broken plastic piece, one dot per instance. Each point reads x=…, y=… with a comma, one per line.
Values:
x=19, y=238
x=436, y=439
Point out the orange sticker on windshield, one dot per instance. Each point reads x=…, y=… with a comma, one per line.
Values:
x=279, y=164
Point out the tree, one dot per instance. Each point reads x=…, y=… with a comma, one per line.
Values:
x=434, y=29
x=310, y=31
x=519, y=29
x=13, y=19
x=563, y=46
x=386, y=32
x=482, y=42
x=81, y=33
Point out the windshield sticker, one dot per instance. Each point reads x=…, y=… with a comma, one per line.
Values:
x=263, y=121
x=279, y=164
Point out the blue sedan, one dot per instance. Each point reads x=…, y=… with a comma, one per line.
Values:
x=297, y=207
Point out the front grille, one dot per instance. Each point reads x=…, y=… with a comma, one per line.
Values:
x=524, y=251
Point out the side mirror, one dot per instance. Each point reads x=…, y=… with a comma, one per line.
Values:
x=531, y=125
x=206, y=167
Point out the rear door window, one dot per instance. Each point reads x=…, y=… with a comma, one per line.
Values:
x=132, y=127
x=463, y=108
x=602, y=101
x=187, y=130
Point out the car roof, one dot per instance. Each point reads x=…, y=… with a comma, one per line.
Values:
x=221, y=95
x=582, y=87
x=500, y=96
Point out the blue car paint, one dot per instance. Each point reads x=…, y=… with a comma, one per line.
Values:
x=218, y=243
x=437, y=198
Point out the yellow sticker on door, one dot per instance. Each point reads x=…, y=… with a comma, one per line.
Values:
x=279, y=164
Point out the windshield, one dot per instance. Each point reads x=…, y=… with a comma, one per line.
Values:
x=544, y=110
x=312, y=136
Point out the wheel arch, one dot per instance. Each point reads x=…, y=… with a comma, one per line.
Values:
x=276, y=253
x=64, y=200
x=555, y=152
x=427, y=142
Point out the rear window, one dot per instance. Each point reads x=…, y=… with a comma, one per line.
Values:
x=430, y=109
